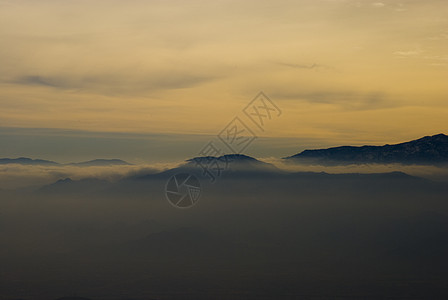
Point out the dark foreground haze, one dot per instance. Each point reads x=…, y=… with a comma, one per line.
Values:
x=257, y=233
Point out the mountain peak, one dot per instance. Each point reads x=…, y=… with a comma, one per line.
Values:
x=226, y=157
x=436, y=137
x=233, y=162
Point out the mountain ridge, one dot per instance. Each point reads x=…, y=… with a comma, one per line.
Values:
x=238, y=161
x=429, y=150
x=26, y=161
x=102, y=162
x=426, y=150
x=43, y=162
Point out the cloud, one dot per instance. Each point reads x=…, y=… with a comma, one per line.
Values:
x=300, y=66
x=439, y=37
x=15, y=176
x=116, y=83
x=408, y=53
x=429, y=172
x=19, y=176
x=378, y=4
x=350, y=100
x=38, y=80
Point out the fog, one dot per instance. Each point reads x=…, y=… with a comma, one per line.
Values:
x=433, y=172
x=256, y=233
x=14, y=176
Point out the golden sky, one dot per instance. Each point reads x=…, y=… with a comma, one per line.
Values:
x=347, y=71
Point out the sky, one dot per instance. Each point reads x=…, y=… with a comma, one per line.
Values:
x=154, y=80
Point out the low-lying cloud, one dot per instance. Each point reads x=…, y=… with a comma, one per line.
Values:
x=14, y=176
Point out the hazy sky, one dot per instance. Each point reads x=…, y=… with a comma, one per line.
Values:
x=342, y=71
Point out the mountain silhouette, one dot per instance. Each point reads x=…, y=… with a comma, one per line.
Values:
x=234, y=162
x=225, y=165
x=102, y=162
x=26, y=161
x=431, y=150
x=241, y=169
x=42, y=162
x=83, y=186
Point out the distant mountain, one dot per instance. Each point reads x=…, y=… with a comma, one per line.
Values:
x=102, y=162
x=90, y=163
x=83, y=186
x=431, y=150
x=233, y=162
x=26, y=161
x=225, y=165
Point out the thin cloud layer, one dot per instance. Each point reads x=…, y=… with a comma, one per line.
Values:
x=20, y=176
x=14, y=176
